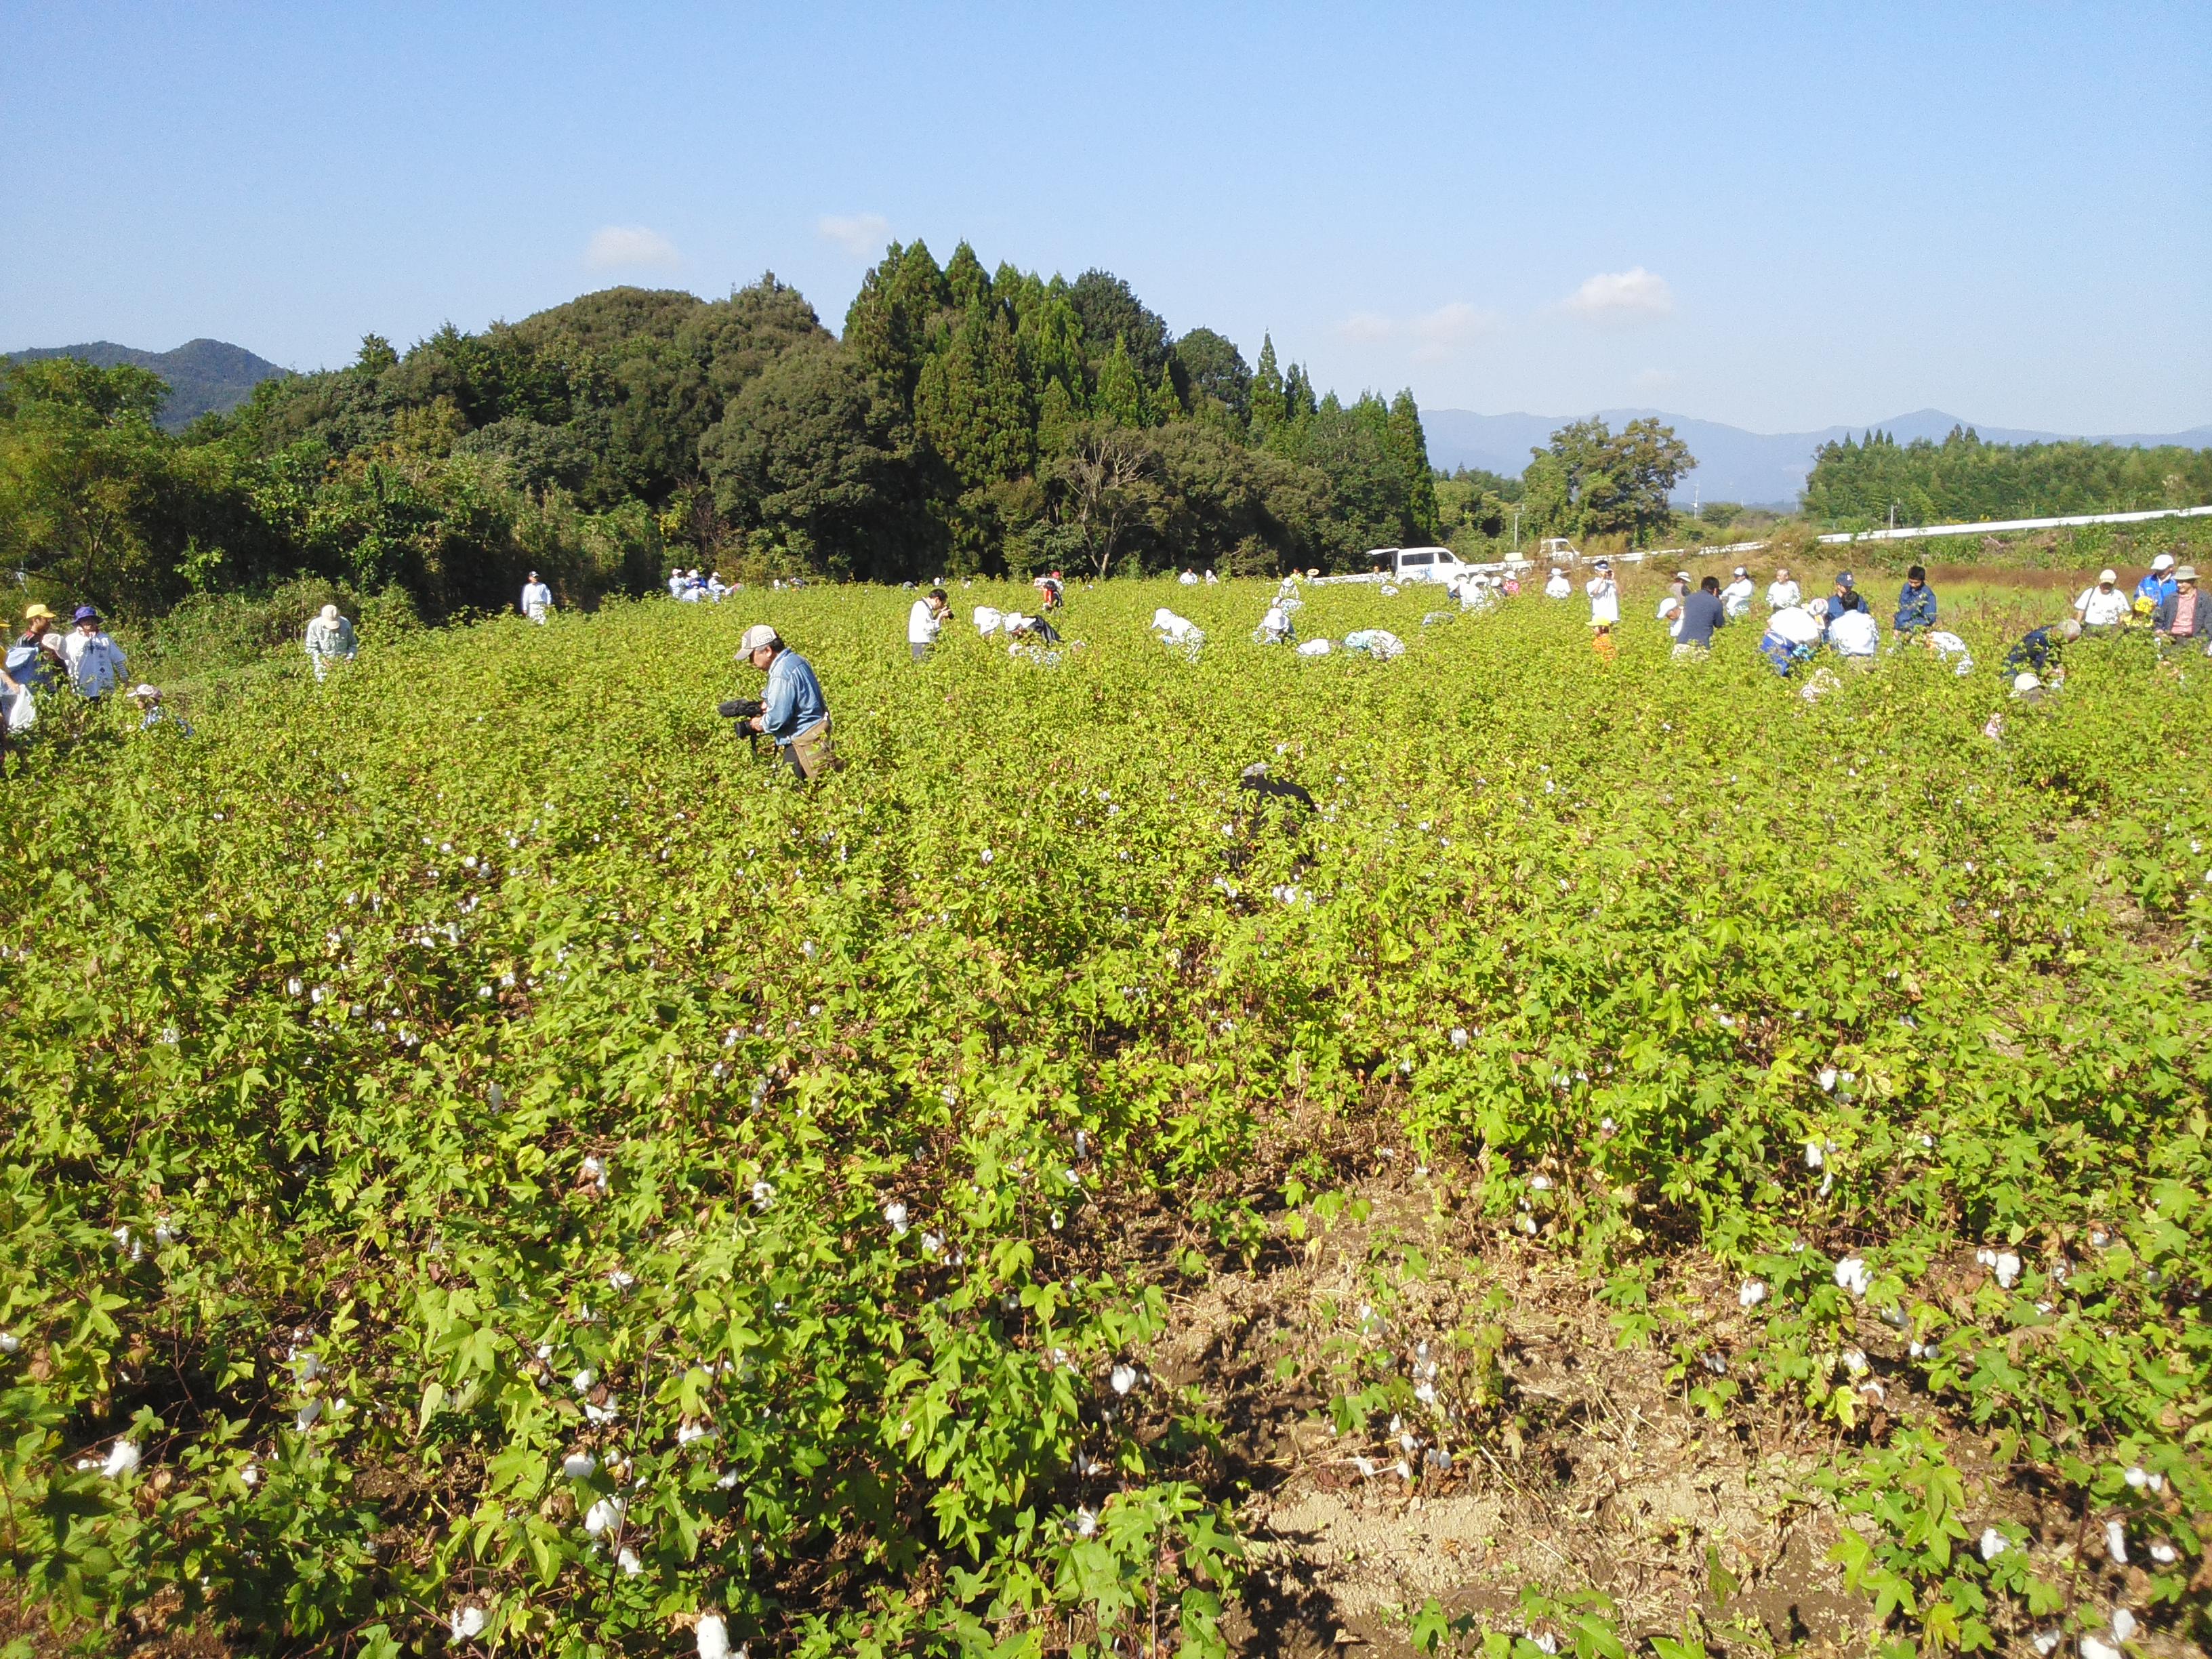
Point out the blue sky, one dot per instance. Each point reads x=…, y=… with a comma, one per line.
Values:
x=1779, y=217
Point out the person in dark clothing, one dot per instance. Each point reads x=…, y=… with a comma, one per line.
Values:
x=2038, y=653
x=1846, y=597
x=1702, y=612
x=1916, y=602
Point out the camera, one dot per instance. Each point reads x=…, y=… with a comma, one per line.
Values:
x=739, y=709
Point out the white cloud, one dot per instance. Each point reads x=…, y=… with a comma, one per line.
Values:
x=863, y=236
x=614, y=246
x=1654, y=380
x=1621, y=297
x=1448, y=328
x=1433, y=334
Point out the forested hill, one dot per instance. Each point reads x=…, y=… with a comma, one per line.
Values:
x=204, y=376
x=1856, y=483
x=965, y=421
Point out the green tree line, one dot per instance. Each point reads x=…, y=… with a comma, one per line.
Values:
x=964, y=421
x=1855, y=483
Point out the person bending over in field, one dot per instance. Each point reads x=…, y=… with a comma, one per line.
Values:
x=1701, y=611
x=1791, y=634
x=923, y=620
x=330, y=639
x=2040, y=651
x=1856, y=636
x=792, y=709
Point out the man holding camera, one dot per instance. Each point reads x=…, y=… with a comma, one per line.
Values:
x=793, y=709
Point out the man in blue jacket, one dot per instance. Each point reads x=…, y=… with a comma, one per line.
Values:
x=1916, y=602
x=1846, y=597
x=793, y=709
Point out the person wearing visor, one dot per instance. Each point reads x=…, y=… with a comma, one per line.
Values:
x=794, y=711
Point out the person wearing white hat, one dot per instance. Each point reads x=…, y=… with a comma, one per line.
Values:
x=2156, y=586
x=2027, y=687
x=1735, y=597
x=151, y=713
x=1783, y=593
x=1557, y=586
x=330, y=639
x=2182, y=616
x=536, y=599
x=792, y=709
x=2103, y=607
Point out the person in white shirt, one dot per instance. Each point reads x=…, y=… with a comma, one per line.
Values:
x=1735, y=597
x=330, y=639
x=1856, y=636
x=1559, y=587
x=1604, y=596
x=1189, y=579
x=1948, y=645
x=95, y=661
x=536, y=599
x=676, y=583
x=2103, y=606
x=1782, y=593
x=1275, y=627
x=1670, y=608
x=1210, y=579
x=923, y=621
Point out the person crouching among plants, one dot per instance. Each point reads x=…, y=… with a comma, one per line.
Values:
x=792, y=709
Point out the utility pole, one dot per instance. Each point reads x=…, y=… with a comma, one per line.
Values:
x=1893, y=515
x=1516, y=533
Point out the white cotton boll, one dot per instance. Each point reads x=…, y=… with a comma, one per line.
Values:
x=932, y=1244
x=293, y=987
x=2116, y=1543
x=628, y=1563
x=2123, y=1624
x=1828, y=1080
x=764, y=1194
x=309, y=1415
x=604, y=1517
x=2007, y=1269
x=9, y=1342
x=1123, y=1379
x=620, y=1280
x=250, y=1473
x=2095, y=1647
x=2162, y=1552
x=606, y=1413
x=583, y=1380
x=1459, y=1036
x=1852, y=1275
x=1855, y=1361
x=465, y=1624
x=122, y=1458
x=687, y=1432
x=1526, y=1224
x=1540, y=1183
x=1549, y=1643
x=580, y=1466
x=1993, y=1543
x=713, y=1636
x=1425, y=1393
x=1814, y=1156
x=2136, y=1478
x=1750, y=1293
x=895, y=1214
x=2046, y=1643
x=1086, y=1524
x=984, y=857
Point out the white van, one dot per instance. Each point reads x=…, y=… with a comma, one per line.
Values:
x=1418, y=564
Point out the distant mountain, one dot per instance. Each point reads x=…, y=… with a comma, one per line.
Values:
x=1732, y=465
x=203, y=376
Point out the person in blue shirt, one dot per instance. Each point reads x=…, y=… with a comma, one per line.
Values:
x=2039, y=651
x=1916, y=602
x=793, y=710
x=2157, y=586
x=1846, y=597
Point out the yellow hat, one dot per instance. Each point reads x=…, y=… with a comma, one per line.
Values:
x=32, y=612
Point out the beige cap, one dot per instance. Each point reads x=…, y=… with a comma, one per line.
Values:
x=757, y=637
x=2108, y=575
x=2187, y=574
x=2023, y=684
